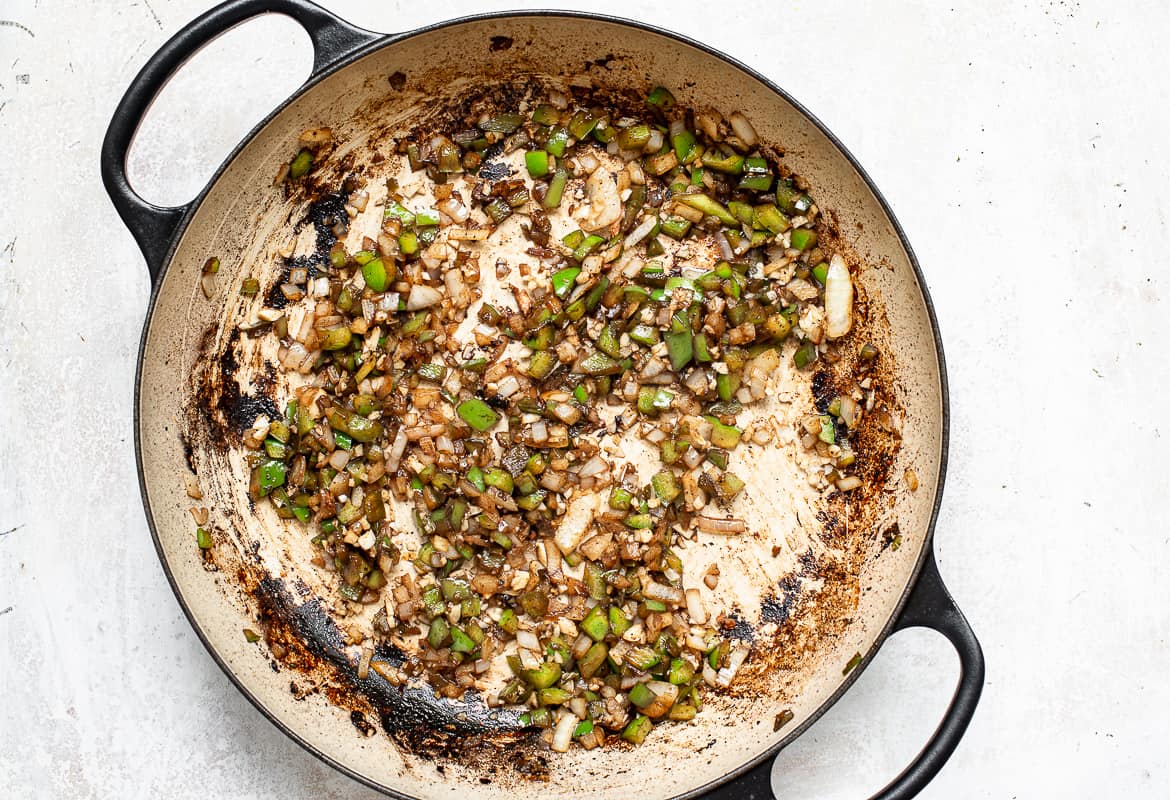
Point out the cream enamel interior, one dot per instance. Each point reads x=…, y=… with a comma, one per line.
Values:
x=244, y=221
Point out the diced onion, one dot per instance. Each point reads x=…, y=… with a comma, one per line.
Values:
x=838, y=299
x=743, y=129
x=422, y=296
x=563, y=734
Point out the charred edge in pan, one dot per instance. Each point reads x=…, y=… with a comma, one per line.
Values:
x=305, y=638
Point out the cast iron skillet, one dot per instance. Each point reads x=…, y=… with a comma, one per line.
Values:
x=161, y=232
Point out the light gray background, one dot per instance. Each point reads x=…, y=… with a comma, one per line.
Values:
x=1024, y=147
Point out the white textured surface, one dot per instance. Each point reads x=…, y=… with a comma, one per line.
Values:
x=1022, y=145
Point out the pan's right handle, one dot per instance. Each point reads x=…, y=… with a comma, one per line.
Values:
x=930, y=605
x=154, y=226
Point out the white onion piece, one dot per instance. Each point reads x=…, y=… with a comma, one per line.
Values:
x=527, y=641
x=849, y=410
x=422, y=296
x=726, y=675
x=696, y=610
x=456, y=288
x=720, y=524
x=338, y=459
x=563, y=734
x=656, y=141
x=642, y=231
x=743, y=129
x=468, y=234
x=605, y=203
x=664, y=696
x=396, y=449
x=660, y=591
x=592, y=467
x=838, y=299
x=508, y=386
x=575, y=522
x=454, y=209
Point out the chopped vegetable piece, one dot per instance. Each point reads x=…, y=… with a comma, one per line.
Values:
x=803, y=238
x=637, y=730
x=477, y=414
x=300, y=166
x=537, y=163
x=563, y=280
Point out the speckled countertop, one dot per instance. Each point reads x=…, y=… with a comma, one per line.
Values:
x=1022, y=145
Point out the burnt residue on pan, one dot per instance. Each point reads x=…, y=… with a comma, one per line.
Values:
x=232, y=384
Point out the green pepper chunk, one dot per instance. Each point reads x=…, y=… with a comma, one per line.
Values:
x=598, y=363
x=558, y=142
x=543, y=676
x=563, y=280
x=681, y=672
x=619, y=623
x=537, y=163
x=666, y=486
x=620, y=498
x=803, y=239
x=596, y=624
x=499, y=478
x=203, y=538
x=272, y=474
x=725, y=437
x=661, y=98
x=828, y=433
x=544, y=114
x=731, y=164
x=638, y=729
x=301, y=165
x=556, y=188
x=804, y=355
x=680, y=348
x=710, y=207
x=461, y=642
x=553, y=696
x=769, y=218
x=477, y=414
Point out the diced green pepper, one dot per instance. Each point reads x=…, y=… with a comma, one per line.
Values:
x=661, y=98
x=537, y=163
x=725, y=437
x=769, y=217
x=477, y=414
x=620, y=498
x=563, y=280
x=803, y=238
x=709, y=206
x=558, y=141
x=596, y=624
x=544, y=676
x=666, y=486
x=461, y=642
x=680, y=348
x=301, y=165
x=804, y=355
x=638, y=729
x=619, y=623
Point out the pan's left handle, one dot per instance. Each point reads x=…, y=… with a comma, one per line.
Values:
x=930, y=605
x=154, y=226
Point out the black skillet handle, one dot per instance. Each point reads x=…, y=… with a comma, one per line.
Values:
x=154, y=226
x=930, y=606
